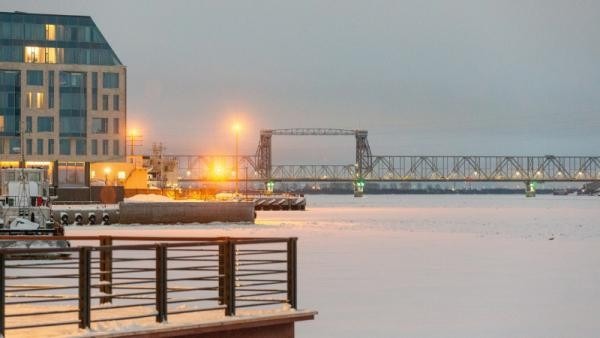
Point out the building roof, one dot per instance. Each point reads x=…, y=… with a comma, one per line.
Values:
x=69, y=39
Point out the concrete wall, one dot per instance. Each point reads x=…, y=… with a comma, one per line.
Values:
x=99, y=194
x=185, y=212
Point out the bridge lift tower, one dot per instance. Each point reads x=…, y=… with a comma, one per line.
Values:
x=363, y=161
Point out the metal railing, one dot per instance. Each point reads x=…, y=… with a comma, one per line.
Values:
x=90, y=284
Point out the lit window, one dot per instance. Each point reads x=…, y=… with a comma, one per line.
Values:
x=40, y=54
x=32, y=54
x=51, y=32
x=39, y=100
x=35, y=100
x=50, y=55
x=1, y=123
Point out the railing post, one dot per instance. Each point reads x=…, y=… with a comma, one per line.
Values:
x=106, y=264
x=222, y=247
x=229, y=278
x=84, y=287
x=2, y=293
x=161, y=283
x=292, y=275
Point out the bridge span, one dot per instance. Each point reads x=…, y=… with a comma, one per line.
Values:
x=385, y=168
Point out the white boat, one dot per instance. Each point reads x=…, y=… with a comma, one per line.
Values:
x=25, y=209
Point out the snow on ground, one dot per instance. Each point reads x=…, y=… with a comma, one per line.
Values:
x=140, y=198
x=434, y=266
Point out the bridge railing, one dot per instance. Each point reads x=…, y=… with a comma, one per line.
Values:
x=141, y=279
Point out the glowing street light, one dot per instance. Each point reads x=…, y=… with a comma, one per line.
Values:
x=106, y=173
x=135, y=139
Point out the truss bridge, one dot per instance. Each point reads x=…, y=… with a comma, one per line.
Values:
x=368, y=167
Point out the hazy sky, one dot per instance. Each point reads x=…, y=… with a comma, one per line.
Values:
x=424, y=77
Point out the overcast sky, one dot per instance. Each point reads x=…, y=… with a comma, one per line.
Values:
x=424, y=77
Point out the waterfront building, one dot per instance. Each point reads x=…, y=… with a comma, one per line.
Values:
x=62, y=96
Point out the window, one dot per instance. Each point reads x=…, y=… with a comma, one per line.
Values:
x=40, y=147
x=45, y=124
x=115, y=102
x=71, y=173
x=73, y=105
x=110, y=80
x=35, y=100
x=40, y=54
x=29, y=143
x=99, y=125
x=14, y=145
x=1, y=124
x=35, y=77
x=28, y=124
x=94, y=147
x=51, y=89
x=104, y=102
x=51, y=146
x=116, y=147
x=80, y=147
x=94, y=91
x=51, y=32
x=104, y=147
x=115, y=126
x=65, y=146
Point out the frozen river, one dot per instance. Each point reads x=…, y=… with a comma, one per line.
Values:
x=435, y=266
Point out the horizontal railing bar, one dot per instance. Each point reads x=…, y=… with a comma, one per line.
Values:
x=73, y=261
x=260, y=303
x=121, y=306
x=10, y=290
x=121, y=295
x=207, y=288
x=57, y=300
x=136, y=278
x=192, y=256
x=261, y=270
x=196, y=268
x=176, y=301
x=263, y=280
x=257, y=273
x=207, y=278
x=194, y=259
x=20, y=327
x=238, y=289
x=262, y=260
x=34, y=277
x=259, y=263
x=270, y=252
x=41, y=313
x=123, y=318
x=129, y=270
x=242, y=240
x=261, y=284
x=205, y=250
x=176, y=312
x=123, y=283
x=258, y=294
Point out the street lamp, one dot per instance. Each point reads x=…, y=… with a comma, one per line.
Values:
x=135, y=139
x=236, y=129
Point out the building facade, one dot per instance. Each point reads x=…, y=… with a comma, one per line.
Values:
x=62, y=95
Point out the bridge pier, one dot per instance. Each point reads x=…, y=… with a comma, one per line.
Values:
x=359, y=187
x=529, y=189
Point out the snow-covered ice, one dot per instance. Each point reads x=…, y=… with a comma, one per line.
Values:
x=434, y=266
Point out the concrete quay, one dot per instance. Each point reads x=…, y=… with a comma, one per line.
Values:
x=154, y=213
